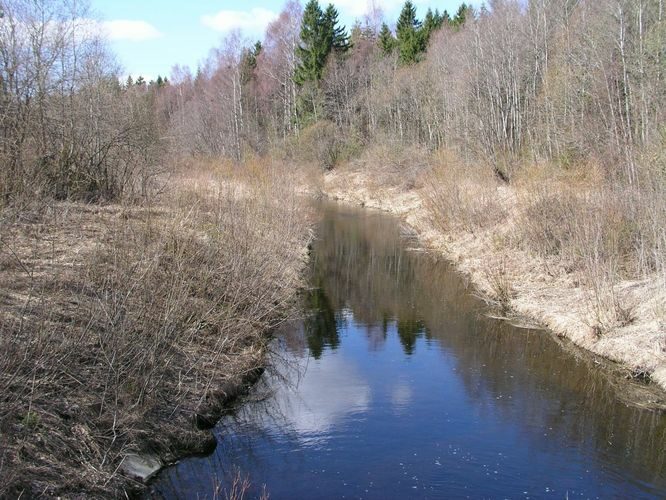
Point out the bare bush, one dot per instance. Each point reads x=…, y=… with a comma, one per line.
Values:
x=604, y=233
x=69, y=130
x=500, y=286
x=391, y=163
x=463, y=196
x=323, y=144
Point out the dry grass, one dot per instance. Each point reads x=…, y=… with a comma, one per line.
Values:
x=389, y=163
x=238, y=490
x=605, y=235
x=467, y=197
x=502, y=292
x=121, y=327
x=322, y=144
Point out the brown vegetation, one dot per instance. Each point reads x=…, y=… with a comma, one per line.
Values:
x=543, y=174
x=124, y=327
x=68, y=129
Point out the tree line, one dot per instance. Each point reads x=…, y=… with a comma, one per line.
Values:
x=560, y=81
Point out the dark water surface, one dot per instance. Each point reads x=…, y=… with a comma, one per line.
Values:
x=397, y=386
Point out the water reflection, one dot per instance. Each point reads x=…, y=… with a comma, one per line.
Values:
x=396, y=386
x=321, y=324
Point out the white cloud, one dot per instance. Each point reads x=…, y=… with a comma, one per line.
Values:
x=358, y=8
x=135, y=31
x=255, y=20
x=315, y=398
x=401, y=396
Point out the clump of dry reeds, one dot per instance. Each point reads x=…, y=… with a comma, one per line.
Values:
x=390, y=163
x=500, y=286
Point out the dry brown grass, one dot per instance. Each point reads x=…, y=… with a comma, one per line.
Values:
x=572, y=223
x=389, y=163
x=463, y=196
x=121, y=327
x=322, y=144
x=602, y=233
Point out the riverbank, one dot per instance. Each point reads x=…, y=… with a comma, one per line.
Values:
x=126, y=330
x=517, y=280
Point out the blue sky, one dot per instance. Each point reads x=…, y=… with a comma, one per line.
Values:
x=149, y=36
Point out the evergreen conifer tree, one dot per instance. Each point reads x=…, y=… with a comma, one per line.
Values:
x=249, y=62
x=320, y=34
x=446, y=17
x=387, y=41
x=461, y=15
x=312, y=50
x=336, y=36
x=410, y=41
x=431, y=23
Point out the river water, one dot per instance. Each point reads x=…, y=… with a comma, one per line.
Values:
x=398, y=386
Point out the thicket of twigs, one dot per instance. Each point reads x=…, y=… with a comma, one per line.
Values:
x=602, y=236
x=121, y=324
x=68, y=129
x=126, y=323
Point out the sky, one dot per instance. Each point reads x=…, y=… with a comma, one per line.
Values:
x=149, y=37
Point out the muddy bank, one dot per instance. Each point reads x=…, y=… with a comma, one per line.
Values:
x=552, y=299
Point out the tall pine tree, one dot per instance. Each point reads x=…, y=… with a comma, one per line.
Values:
x=410, y=41
x=337, y=37
x=387, y=41
x=461, y=16
x=312, y=50
x=431, y=23
x=320, y=34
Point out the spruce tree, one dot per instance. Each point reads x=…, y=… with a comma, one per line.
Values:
x=461, y=16
x=320, y=35
x=410, y=41
x=249, y=62
x=387, y=41
x=336, y=36
x=446, y=18
x=312, y=50
x=431, y=23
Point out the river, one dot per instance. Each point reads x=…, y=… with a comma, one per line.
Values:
x=398, y=385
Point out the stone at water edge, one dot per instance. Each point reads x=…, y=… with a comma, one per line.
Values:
x=141, y=467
